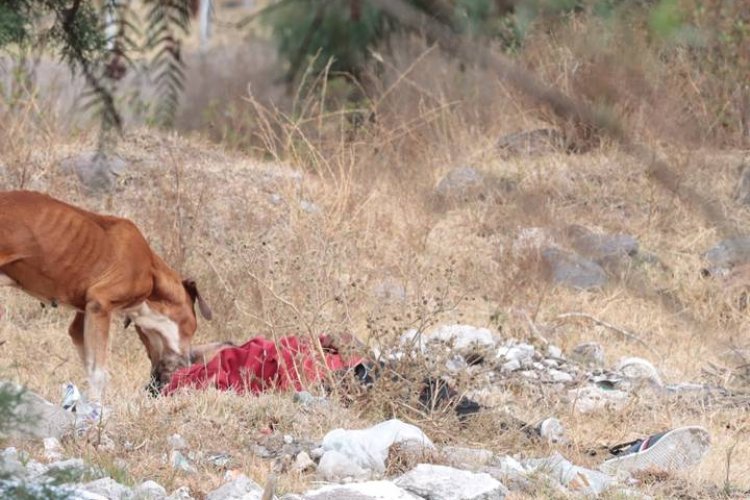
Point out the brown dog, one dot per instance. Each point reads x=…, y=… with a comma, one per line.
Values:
x=99, y=265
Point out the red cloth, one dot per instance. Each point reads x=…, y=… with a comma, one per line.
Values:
x=258, y=366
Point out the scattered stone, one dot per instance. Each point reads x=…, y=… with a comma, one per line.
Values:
x=467, y=458
x=511, y=366
x=335, y=466
x=554, y=351
x=518, y=352
x=639, y=369
x=180, y=462
x=150, y=490
x=10, y=465
x=108, y=488
x=370, y=490
x=438, y=482
x=96, y=171
x=177, y=442
x=181, y=493
x=460, y=184
x=559, y=376
x=260, y=451
x=309, y=207
x=532, y=142
x=729, y=253
x=601, y=248
x=510, y=473
x=590, y=398
x=367, y=449
x=52, y=449
x=288, y=439
x=573, y=270
x=552, y=430
x=241, y=488
x=70, y=466
x=590, y=354
x=219, y=459
x=576, y=479
x=303, y=462
x=37, y=418
x=463, y=337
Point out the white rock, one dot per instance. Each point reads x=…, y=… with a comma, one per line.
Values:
x=36, y=417
x=532, y=375
x=181, y=493
x=177, y=442
x=74, y=465
x=463, y=336
x=288, y=439
x=518, y=352
x=552, y=430
x=510, y=465
x=591, y=398
x=456, y=364
x=511, y=366
x=639, y=369
x=368, y=448
x=181, y=462
x=10, y=464
x=241, y=488
x=52, y=448
x=108, y=488
x=554, y=351
x=150, y=490
x=576, y=479
x=437, y=482
x=560, y=376
x=335, y=466
x=370, y=490
x=467, y=458
x=303, y=462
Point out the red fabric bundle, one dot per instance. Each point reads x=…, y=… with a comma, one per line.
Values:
x=260, y=365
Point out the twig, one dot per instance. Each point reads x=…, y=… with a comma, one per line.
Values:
x=625, y=333
x=534, y=330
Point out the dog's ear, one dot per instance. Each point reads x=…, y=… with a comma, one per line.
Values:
x=205, y=352
x=195, y=296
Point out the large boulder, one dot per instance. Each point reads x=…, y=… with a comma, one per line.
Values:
x=34, y=417
x=601, y=247
x=370, y=490
x=572, y=270
x=438, y=482
x=241, y=488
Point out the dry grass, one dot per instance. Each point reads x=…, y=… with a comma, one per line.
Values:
x=269, y=266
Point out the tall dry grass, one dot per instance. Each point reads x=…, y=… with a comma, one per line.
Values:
x=318, y=215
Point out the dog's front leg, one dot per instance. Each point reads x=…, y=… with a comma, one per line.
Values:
x=95, y=346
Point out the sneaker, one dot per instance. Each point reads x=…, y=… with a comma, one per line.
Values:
x=672, y=450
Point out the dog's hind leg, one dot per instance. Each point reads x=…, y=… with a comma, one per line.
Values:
x=96, y=345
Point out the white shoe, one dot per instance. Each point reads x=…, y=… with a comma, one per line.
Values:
x=670, y=451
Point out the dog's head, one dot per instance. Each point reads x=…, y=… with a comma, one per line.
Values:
x=166, y=326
